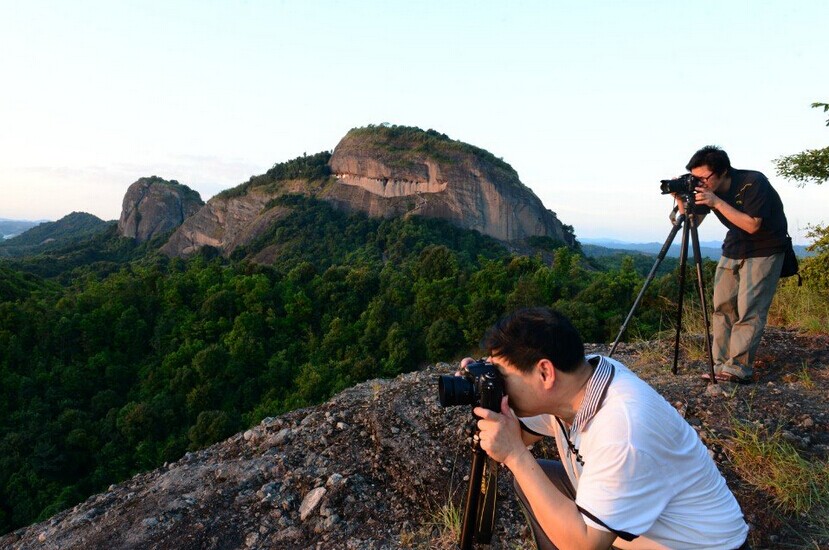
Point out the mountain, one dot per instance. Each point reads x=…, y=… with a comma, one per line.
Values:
x=154, y=206
x=385, y=172
x=46, y=236
x=600, y=247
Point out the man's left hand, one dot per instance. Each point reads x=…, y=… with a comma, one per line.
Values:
x=500, y=433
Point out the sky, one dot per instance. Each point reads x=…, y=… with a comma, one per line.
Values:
x=592, y=102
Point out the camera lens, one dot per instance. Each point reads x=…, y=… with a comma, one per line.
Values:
x=455, y=390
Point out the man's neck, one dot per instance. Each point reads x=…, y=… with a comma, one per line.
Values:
x=573, y=389
x=725, y=185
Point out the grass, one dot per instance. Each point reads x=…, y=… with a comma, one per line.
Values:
x=447, y=519
x=770, y=463
x=442, y=528
x=800, y=307
x=803, y=377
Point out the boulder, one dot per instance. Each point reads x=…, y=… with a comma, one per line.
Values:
x=154, y=206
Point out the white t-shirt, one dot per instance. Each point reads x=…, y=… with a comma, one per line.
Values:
x=645, y=470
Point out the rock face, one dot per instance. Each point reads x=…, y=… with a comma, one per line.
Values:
x=153, y=206
x=391, y=172
x=223, y=223
x=385, y=172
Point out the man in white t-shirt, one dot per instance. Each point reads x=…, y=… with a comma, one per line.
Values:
x=633, y=473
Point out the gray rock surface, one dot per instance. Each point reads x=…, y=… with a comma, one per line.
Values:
x=153, y=206
x=456, y=185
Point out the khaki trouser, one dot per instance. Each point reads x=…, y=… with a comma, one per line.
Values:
x=743, y=290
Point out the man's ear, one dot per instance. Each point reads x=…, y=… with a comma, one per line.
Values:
x=547, y=372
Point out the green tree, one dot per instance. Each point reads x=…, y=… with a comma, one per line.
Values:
x=811, y=166
x=807, y=166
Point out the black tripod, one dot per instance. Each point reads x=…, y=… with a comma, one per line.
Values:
x=481, y=492
x=688, y=223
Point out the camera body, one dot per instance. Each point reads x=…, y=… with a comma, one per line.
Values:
x=684, y=185
x=481, y=386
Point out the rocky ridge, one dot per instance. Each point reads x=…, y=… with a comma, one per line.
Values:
x=385, y=172
x=373, y=467
x=154, y=206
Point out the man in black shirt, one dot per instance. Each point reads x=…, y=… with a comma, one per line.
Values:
x=752, y=256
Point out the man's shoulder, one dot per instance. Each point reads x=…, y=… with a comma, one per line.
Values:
x=748, y=176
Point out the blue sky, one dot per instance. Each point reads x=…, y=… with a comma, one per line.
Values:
x=591, y=102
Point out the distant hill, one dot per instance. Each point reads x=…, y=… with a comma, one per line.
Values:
x=46, y=236
x=12, y=228
x=600, y=247
x=709, y=249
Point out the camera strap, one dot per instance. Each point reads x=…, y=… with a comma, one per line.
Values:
x=624, y=535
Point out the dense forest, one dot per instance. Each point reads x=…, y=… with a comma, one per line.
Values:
x=115, y=359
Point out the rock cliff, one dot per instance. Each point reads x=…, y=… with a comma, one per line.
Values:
x=391, y=171
x=383, y=172
x=153, y=206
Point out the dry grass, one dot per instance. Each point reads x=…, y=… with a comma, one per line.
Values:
x=770, y=463
x=800, y=307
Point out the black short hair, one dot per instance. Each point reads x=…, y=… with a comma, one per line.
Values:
x=711, y=156
x=528, y=335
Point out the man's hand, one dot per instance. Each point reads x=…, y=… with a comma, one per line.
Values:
x=500, y=434
x=708, y=198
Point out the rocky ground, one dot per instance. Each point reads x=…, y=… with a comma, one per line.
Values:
x=379, y=465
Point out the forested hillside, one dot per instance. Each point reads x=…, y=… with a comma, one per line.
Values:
x=136, y=358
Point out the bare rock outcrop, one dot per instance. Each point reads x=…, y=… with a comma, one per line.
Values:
x=224, y=223
x=153, y=206
x=389, y=171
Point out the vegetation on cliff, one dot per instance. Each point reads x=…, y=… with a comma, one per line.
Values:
x=401, y=145
x=313, y=168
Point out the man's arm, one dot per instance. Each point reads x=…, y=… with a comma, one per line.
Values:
x=742, y=220
x=558, y=516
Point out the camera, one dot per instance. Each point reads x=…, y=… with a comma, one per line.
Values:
x=684, y=185
x=481, y=386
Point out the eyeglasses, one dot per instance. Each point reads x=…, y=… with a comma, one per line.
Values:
x=704, y=179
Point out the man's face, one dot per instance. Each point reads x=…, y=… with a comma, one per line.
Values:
x=709, y=179
x=523, y=389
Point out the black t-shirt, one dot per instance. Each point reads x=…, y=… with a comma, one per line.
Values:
x=750, y=192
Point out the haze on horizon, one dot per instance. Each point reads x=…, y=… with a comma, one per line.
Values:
x=592, y=103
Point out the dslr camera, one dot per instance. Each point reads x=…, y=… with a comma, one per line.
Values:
x=480, y=386
x=684, y=185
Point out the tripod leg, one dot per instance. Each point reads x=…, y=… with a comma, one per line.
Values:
x=486, y=503
x=702, y=300
x=473, y=491
x=651, y=275
x=683, y=259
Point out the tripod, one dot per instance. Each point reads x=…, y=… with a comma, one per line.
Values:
x=688, y=223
